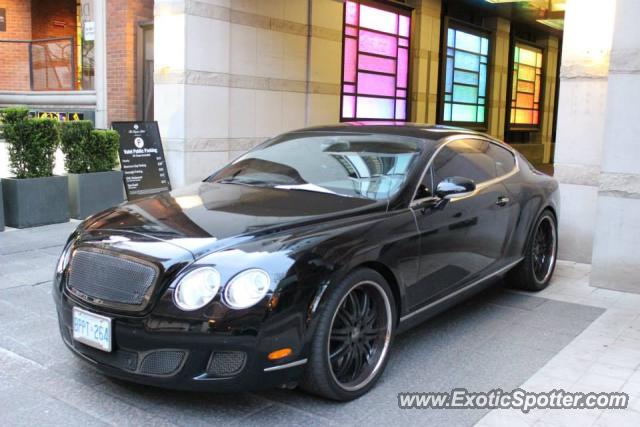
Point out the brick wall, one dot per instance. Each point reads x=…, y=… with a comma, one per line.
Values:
x=14, y=74
x=53, y=18
x=123, y=18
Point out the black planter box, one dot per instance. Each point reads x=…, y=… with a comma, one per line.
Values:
x=90, y=193
x=35, y=201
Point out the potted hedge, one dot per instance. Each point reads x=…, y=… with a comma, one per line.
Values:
x=34, y=196
x=90, y=157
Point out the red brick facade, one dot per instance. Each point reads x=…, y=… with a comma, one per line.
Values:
x=14, y=73
x=123, y=18
x=37, y=19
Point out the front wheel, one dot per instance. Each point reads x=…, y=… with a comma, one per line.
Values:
x=351, y=345
x=535, y=271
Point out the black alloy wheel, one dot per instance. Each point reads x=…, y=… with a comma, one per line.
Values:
x=535, y=271
x=354, y=335
x=544, y=249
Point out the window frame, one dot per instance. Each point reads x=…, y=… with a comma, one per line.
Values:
x=400, y=9
x=479, y=185
x=442, y=80
x=512, y=48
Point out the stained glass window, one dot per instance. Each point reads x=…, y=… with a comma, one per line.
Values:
x=375, y=62
x=526, y=85
x=465, y=88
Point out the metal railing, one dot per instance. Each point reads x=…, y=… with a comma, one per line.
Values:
x=51, y=62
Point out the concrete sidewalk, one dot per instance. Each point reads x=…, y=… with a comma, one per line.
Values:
x=569, y=336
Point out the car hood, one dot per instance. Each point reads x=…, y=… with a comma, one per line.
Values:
x=208, y=216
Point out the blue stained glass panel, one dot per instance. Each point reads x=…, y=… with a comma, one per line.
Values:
x=449, y=82
x=466, y=41
x=465, y=77
x=483, y=80
x=467, y=61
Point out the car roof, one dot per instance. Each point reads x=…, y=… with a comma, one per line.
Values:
x=416, y=130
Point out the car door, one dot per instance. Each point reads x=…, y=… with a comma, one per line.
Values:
x=464, y=236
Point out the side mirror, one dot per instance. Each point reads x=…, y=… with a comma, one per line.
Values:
x=454, y=186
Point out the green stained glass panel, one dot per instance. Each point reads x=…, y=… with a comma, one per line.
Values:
x=464, y=113
x=467, y=94
x=465, y=77
x=447, y=111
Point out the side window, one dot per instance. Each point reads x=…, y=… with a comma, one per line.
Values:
x=504, y=159
x=426, y=185
x=467, y=158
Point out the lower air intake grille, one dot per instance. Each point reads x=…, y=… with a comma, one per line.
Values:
x=106, y=279
x=164, y=362
x=226, y=363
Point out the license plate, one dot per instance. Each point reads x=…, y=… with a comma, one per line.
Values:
x=92, y=329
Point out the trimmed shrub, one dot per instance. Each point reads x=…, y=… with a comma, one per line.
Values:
x=88, y=150
x=32, y=143
x=104, y=150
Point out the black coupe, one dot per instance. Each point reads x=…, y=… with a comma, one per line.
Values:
x=297, y=263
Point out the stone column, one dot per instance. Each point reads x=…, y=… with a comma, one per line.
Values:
x=581, y=118
x=499, y=75
x=425, y=48
x=100, y=51
x=616, y=249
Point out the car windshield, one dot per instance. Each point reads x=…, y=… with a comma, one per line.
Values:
x=352, y=165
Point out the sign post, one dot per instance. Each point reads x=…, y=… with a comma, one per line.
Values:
x=142, y=159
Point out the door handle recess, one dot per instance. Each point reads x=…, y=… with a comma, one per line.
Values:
x=502, y=201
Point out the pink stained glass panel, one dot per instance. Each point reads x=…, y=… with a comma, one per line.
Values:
x=348, y=107
x=380, y=44
x=375, y=63
x=351, y=31
x=403, y=67
x=401, y=93
x=379, y=20
x=404, y=26
x=375, y=108
x=403, y=42
x=351, y=14
x=401, y=109
x=350, y=57
x=347, y=88
x=375, y=84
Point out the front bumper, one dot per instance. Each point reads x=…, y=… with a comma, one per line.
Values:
x=170, y=358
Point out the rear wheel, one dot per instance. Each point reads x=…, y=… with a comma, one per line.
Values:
x=351, y=346
x=535, y=271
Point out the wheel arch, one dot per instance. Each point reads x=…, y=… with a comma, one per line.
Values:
x=391, y=279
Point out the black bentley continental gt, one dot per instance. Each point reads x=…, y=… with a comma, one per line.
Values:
x=297, y=263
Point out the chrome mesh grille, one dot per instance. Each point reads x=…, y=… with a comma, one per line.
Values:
x=110, y=278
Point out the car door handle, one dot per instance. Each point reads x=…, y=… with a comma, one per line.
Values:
x=502, y=201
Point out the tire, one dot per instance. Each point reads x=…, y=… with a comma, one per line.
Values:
x=531, y=274
x=342, y=330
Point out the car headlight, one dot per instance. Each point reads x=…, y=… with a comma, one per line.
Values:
x=63, y=261
x=247, y=288
x=197, y=288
